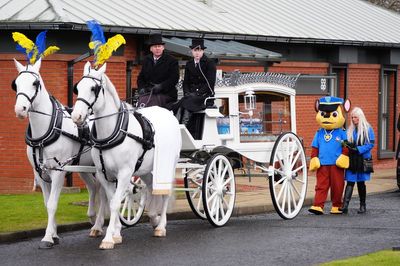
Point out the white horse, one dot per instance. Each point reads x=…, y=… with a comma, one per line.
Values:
x=116, y=120
x=52, y=138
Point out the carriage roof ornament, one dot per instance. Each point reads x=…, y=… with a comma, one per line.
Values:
x=33, y=50
x=236, y=78
x=102, y=49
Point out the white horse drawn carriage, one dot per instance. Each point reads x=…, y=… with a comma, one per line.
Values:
x=253, y=117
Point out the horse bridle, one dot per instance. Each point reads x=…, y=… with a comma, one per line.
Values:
x=96, y=89
x=36, y=83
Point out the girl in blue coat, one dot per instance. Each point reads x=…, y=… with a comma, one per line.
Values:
x=361, y=139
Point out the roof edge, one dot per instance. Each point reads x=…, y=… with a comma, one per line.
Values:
x=191, y=34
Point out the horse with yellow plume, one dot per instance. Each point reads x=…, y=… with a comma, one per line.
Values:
x=127, y=142
x=51, y=137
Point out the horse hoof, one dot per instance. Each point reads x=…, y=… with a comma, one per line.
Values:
x=106, y=245
x=160, y=233
x=45, y=245
x=56, y=240
x=95, y=233
x=117, y=239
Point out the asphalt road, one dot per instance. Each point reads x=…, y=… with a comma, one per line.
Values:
x=248, y=240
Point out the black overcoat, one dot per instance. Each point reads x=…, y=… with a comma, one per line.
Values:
x=195, y=87
x=164, y=72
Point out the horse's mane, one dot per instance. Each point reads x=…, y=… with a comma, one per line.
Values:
x=111, y=89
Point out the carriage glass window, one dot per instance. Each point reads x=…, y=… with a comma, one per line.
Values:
x=223, y=123
x=270, y=118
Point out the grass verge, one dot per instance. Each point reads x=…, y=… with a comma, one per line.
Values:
x=26, y=211
x=381, y=258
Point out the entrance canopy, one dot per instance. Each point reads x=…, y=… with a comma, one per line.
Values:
x=222, y=49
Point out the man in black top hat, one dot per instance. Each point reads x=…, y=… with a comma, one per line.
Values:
x=158, y=77
x=198, y=83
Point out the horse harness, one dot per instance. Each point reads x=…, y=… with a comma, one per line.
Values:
x=119, y=134
x=52, y=135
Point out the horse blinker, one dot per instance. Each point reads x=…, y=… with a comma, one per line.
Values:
x=14, y=86
x=75, y=89
x=36, y=84
x=96, y=89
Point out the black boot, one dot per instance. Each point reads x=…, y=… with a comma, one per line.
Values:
x=362, y=192
x=347, y=197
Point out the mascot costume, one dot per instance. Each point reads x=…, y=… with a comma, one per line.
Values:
x=328, y=156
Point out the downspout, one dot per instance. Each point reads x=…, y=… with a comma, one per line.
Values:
x=70, y=96
x=129, y=67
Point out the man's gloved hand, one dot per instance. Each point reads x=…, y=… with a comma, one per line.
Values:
x=142, y=91
x=157, y=88
x=145, y=90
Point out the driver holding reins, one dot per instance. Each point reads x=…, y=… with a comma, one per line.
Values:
x=158, y=77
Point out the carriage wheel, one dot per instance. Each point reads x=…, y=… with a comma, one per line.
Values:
x=218, y=190
x=133, y=202
x=194, y=181
x=288, y=178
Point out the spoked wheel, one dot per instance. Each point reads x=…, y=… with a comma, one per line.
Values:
x=193, y=182
x=288, y=179
x=218, y=190
x=133, y=202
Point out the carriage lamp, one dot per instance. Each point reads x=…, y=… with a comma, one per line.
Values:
x=250, y=102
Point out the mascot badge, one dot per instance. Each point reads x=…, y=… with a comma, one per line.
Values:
x=328, y=156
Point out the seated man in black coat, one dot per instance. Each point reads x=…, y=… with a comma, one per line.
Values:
x=158, y=77
x=198, y=83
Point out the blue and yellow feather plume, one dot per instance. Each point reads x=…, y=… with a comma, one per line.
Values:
x=102, y=49
x=33, y=51
x=108, y=48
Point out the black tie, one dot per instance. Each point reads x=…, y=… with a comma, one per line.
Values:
x=155, y=61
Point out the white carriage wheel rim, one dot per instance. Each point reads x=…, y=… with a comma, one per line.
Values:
x=290, y=190
x=219, y=199
x=196, y=197
x=132, y=206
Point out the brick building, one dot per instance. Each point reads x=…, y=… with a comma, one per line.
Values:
x=344, y=48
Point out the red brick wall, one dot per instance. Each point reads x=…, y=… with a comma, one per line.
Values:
x=13, y=170
x=363, y=85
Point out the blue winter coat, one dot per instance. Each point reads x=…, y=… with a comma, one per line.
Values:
x=365, y=150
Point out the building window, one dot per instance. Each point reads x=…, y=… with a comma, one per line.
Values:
x=387, y=112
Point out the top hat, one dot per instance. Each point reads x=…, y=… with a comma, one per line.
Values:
x=154, y=39
x=197, y=43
